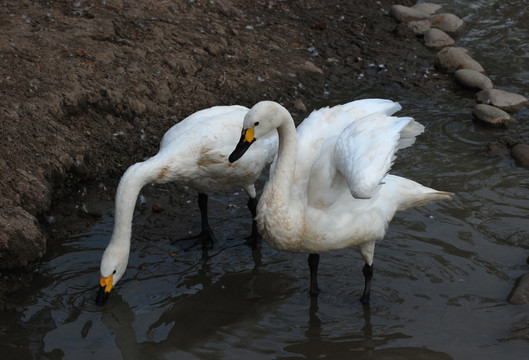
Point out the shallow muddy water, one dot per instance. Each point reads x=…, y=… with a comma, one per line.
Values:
x=442, y=274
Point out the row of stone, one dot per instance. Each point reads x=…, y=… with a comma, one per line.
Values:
x=436, y=27
x=493, y=105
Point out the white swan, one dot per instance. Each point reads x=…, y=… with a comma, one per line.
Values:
x=328, y=187
x=194, y=153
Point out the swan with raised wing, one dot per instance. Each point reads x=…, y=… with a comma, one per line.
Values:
x=329, y=186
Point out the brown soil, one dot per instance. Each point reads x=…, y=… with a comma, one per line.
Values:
x=82, y=81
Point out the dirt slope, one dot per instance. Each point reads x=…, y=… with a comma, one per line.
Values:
x=89, y=87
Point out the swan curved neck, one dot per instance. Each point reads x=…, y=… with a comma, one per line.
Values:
x=285, y=166
x=134, y=179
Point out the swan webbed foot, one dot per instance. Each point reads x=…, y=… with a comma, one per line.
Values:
x=206, y=238
x=314, y=260
x=368, y=275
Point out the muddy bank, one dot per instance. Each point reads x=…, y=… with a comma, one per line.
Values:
x=88, y=88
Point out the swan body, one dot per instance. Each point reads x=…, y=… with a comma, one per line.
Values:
x=193, y=153
x=329, y=186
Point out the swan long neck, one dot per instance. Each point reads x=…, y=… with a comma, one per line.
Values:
x=132, y=181
x=285, y=167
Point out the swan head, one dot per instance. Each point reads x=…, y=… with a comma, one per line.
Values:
x=113, y=266
x=261, y=119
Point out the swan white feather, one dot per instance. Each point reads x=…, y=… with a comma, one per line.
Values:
x=194, y=153
x=328, y=187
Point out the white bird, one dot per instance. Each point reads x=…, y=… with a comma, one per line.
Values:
x=329, y=186
x=192, y=153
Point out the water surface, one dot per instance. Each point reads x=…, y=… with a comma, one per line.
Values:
x=442, y=274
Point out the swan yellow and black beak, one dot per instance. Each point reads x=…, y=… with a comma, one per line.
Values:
x=105, y=286
x=247, y=139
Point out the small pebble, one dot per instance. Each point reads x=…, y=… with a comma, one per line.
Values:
x=427, y=8
x=451, y=59
x=404, y=14
x=300, y=106
x=520, y=153
x=449, y=23
x=419, y=27
x=156, y=207
x=308, y=66
x=473, y=79
x=492, y=115
x=437, y=39
x=503, y=99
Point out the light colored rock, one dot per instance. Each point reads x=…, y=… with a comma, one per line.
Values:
x=451, y=59
x=520, y=153
x=309, y=66
x=427, y=8
x=492, y=115
x=405, y=14
x=502, y=99
x=520, y=293
x=300, y=106
x=419, y=26
x=473, y=79
x=437, y=39
x=449, y=23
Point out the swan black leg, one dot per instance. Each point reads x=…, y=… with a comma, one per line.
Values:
x=368, y=275
x=206, y=235
x=314, y=259
x=254, y=239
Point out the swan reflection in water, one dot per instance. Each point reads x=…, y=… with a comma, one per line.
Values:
x=360, y=345
x=231, y=307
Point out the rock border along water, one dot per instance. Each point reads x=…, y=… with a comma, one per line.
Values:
x=493, y=106
x=437, y=26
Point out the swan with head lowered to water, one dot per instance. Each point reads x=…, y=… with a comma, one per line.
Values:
x=329, y=186
x=192, y=153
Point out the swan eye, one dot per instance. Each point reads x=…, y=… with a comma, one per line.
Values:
x=114, y=272
x=256, y=123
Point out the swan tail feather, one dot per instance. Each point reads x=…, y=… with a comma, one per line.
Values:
x=425, y=198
